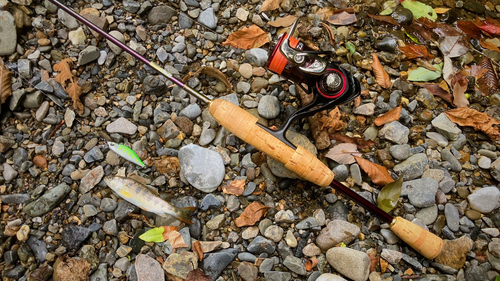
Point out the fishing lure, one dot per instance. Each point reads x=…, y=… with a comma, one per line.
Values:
x=146, y=198
x=127, y=153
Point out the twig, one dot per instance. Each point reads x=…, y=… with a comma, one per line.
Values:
x=55, y=130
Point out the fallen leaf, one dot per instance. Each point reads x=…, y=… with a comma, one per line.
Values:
x=382, y=77
x=388, y=7
x=419, y=9
x=325, y=13
x=378, y=174
x=389, y=195
x=69, y=269
x=343, y=153
x=329, y=31
x=489, y=25
x=311, y=263
x=469, y=28
x=343, y=18
x=451, y=47
x=422, y=74
x=350, y=46
x=331, y=121
x=169, y=165
x=196, y=246
x=459, y=88
x=446, y=30
x=252, y=214
x=197, y=275
x=247, y=38
x=40, y=161
x=423, y=34
x=427, y=23
x=69, y=82
x=270, y=5
x=441, y=10
x=489, y=46
x=488, y=83
x=386, y=19
x=5, y=83
x=448, y=70
x=480, y=121
x=235, y=187
x=476, y=71
x=176, y=240
x=374, y=260
x=283, y=22
x=441, y=90
x=383, y=265
x=153, y=235
x=359, y=142
x=166, y=231
x=426, y=64
x=388, y=117
x=412, y=51
x=210, y=71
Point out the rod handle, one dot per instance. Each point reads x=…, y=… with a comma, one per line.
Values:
x=244, y=126
x=426, y=243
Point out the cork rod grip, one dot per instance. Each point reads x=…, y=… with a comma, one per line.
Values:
x=426, y=243
x=244, y=126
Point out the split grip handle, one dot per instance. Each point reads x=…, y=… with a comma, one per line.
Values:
x=244, y=126
x=426, y=243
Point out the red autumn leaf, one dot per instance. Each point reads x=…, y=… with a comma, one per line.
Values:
x=378, y=174
x=252, y=214
x=247, y=38
x=469, y=28
x=386, y=19
x=343, y=18
x=361, y=143
x=421, y=33
x=489, y=25
x=412, y=51
x=381, y=76
x=426, y=22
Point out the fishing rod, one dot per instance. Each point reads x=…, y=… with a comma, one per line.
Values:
x=331, y=85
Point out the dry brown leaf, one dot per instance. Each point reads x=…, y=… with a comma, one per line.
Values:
x=383, y=265
x=166, y=231
x=343, y=153
x=176, y=240
x=476, y=71
x=387, y=19
x=270, y=5
x=332, y=121
x=489, y=45
x=69, y=269
x=252, y=214
x=325, y=13
x=382, y=77
x=283, y=22
x=5, y=83
x=247, y=38
x=169, y=165
x=388, y=117
x=424, y=63
x=359, y=142
x=235, y=187
x=441, y=90
x=488, y=84
x=469, y=28
x=196, y=246
x=448, y=70
x=480, y=121
x=40, y=161
x=210, y=71
x=459, y=87
x=378, y=174
x=197, y=275
x=331, y=34
x=343, y=18
x=69, y=82
x=310, y=264
x=412, y=51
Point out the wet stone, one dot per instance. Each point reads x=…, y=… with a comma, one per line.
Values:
x=48, y=201
x=214, y=263
x=73, y=236
x=261, y=245
x=388, y=44
x=39, y=248
x=310, y=222
x=402, y=15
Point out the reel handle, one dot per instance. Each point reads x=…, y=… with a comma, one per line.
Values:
x=244, y=126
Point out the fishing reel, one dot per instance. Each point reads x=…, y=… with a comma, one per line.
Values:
x=330, y=84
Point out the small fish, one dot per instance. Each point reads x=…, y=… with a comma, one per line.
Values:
x=144, y=198
x=125, y=152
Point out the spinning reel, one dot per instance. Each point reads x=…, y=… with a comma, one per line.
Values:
x=330, y=84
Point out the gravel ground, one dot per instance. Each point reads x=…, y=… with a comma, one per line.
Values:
x=55, y=205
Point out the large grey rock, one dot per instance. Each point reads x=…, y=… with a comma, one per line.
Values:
x=208, y=18
x=485, y=199
x=8, y=34
x=421, y=192
x=68, y=20
x=413, y=167
x=257, y=56
x=297, y=139
x=447, y=128
x=120, y=37
x=350, y=263
x=89, y=54
x=161, y=14
x=121, y=126
x=214, y=263
x=395, y=132
x=202, y=168
x=335, y=232
x=48, y=201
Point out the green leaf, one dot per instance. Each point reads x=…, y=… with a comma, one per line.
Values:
x=423, y=74
x=497, y=278
x=153, y=235
x=350, y=46
x=413, y=38
x=420, y=10
x=389, y=7
x=389, y=195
